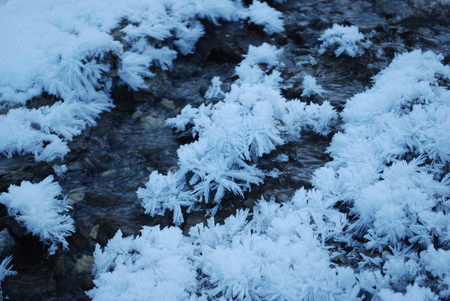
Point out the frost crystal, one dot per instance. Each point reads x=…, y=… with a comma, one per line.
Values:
x=251, y=121
x=310, y=86
x=38, y=208
x=5, y=271
x=390, y=166
x=344, y=39
x=389, y=174
x=74, y=50
x=153, y=266
x=239, y=260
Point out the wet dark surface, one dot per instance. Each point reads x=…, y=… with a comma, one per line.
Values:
x=110, y=161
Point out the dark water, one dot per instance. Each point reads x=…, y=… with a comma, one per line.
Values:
x=110, y=161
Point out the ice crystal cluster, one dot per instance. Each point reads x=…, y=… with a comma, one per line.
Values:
x=382, y=203
x=389, y=169
x=73, y=50
x=5, y=270
x=39, y=209
x=344, y=40
x=251, y=121
x=390, y=166
x=76, y=51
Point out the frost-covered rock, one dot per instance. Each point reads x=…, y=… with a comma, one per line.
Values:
x=251, y=121
x=344, y=40
x=39, y=209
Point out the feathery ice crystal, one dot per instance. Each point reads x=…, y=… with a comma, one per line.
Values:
x=38, y=208
x=74, y=50
x=251, y=121
x=344, y=40
x=390, y=168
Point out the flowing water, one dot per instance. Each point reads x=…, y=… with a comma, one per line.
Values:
x=110, y=161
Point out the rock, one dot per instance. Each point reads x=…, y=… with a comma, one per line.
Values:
x=151, y=122
x=76, y=196
x=61, y=266
x=84, y=265
x=94, y=232
x=7, y=243
x=168, y=103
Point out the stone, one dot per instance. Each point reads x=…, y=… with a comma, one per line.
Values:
x=84, y=265
x=151, y=122
x=94, y=232
x=413, y=12
x=168, y=103
x=76, y=195
x=7, y=243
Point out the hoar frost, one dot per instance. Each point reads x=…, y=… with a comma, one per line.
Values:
x=232, y=134
x=38, y=208
x=390, y=166
x=311, y=87
x=239, y=260
x=74, y=50
x=389, y=169
x=344, y=40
